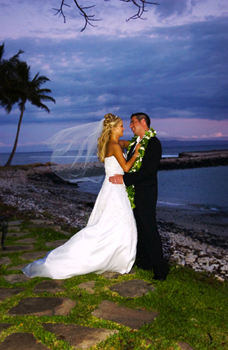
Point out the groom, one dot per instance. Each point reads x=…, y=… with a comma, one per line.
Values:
x=149, y=247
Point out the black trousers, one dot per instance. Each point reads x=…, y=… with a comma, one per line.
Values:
x=149, y=247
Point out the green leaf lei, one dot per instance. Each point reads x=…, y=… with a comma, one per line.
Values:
x=137, y=165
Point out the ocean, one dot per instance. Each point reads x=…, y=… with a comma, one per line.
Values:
x=202, y=188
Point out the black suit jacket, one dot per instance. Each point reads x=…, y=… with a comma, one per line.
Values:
x=145, y=180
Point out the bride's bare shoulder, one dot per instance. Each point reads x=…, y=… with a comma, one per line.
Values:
x=111, y=148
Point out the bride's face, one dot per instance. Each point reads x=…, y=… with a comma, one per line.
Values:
x=119, y=129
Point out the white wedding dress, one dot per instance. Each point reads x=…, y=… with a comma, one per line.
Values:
x=107, y=243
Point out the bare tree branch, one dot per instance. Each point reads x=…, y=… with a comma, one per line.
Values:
x=140, y=4
x=60, y=10
x=82, y=11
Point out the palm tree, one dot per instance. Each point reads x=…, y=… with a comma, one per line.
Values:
x=22, y=89
x=8, y=74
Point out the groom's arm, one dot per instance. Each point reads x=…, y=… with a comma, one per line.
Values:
x=149, y=166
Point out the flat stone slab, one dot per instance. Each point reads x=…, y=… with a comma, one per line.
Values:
x=33, y=255
x=66, y=233
x=52, y=286
x=122, y=315
x=55, y=227
x=88, y=286
x=29, y=240
x=14, y=228
x=16, y=234
x=56, y=244
x=14, y=223
x=79, y=337
x=42, y=222
x=5, y=260
x=114, y=275
x=184, y=346
x=17, y=248
x=18, y=267
x=48, y=306
x=22, y=341
x=16, y=278
x=111, y=275
x=9, y=292
x=4, y=326
x=133, y=288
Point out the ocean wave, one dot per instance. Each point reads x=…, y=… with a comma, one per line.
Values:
x=171, y=203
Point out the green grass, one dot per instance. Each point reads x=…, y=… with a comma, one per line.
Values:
x=193, y=307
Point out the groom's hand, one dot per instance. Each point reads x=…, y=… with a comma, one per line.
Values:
x=116, y=179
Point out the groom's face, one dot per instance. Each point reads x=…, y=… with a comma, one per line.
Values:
x=135, y=126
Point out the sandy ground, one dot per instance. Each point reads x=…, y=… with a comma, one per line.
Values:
x=215, y=223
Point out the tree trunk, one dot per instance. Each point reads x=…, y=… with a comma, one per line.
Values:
x=8, y=163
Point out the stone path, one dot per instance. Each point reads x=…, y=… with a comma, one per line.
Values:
x=33, y=255
x=50, y=286
x=5, y=261
x=43, y=306
x=79, y=337
x=22, y=341
x=17, y=248
x=129, y=318
x=132, y=288
x=8, y=292
x=56, y=244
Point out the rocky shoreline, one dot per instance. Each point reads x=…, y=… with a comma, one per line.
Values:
x=188, y=160
x=37, y=191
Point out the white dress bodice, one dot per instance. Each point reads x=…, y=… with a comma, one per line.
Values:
x=112, y=166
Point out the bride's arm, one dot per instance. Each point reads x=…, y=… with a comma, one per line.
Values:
x=124, y=143
x=118, y=154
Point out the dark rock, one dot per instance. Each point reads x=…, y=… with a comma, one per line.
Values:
x=18, y=267
x=52, y=286
x=22, y=341
x=5, y=260
x=43, y=306
x=9, y=292
x=133, y=288
x=111, y=275
x=17, y=278
x=88, y=286
x=55, y=244
x=17, y=248
x=184, y=346
x=29, y=240
x=34, y=255
x=119, y=314
x=4, y=326
x=78, y=337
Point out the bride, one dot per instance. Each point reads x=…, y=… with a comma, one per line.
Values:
x=108, y=242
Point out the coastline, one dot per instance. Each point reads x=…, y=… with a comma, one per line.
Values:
x=197, y=159
x=191, y=237
x=39, y=177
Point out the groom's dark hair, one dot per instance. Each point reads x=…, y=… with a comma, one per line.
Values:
x=141, y=116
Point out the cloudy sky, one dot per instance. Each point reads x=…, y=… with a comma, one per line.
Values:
x=172, y=65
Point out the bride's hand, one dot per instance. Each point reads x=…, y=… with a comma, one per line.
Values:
x=136, y=150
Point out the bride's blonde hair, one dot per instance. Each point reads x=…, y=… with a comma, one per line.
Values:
x=110, y=122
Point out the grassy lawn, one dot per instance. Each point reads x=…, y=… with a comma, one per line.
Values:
x=193, y=307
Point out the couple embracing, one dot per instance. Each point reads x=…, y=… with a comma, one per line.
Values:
x=116, y=236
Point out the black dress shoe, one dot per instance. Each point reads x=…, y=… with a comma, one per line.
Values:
x=159, y=278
